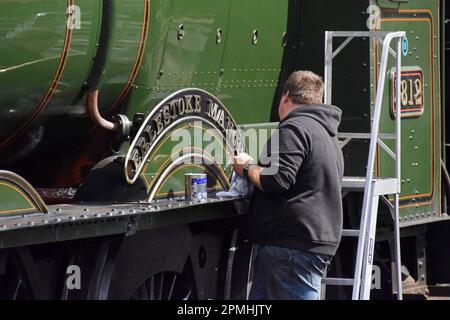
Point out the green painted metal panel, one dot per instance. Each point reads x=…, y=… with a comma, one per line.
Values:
x=172, y=64
x=194, y=59
x=13, y=200
x=421, y=135
x=251, y=71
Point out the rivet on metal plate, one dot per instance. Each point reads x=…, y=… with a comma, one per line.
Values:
x=181, y=32
x=219, y=36
x=255, y=37
x=284, y=40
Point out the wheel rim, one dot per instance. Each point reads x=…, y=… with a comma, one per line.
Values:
x=167, y=285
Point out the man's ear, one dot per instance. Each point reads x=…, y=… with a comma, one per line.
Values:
x=285, y=97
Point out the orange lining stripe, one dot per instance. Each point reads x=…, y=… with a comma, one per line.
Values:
x=139, y=57
x=53, y=86
x=439, y=109
x=16, y=211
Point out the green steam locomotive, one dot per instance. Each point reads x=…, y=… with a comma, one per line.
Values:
x=96, y=95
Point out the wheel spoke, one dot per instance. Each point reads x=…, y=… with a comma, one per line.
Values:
x=169, y=297
x=17, y=270
x=16, y=290
x=188, y=295
x=152, y=288
x=166, y=286
x=161, y=287
x=14, y=287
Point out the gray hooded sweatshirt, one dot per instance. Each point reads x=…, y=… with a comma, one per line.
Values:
x=301, y=206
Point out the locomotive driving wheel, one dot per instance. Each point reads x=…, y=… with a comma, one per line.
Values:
x=18, y=280
x=150, y=265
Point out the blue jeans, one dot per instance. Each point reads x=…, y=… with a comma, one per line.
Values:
x=287, y=274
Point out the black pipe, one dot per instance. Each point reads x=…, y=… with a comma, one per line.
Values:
x=98, y=67
x=101, y=55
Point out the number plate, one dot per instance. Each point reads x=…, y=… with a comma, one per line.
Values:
x=411, y=93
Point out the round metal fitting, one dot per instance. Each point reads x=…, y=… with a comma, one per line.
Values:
x=219, y=36
x=255, y=37
x=123, y=125
x=181, y=32
x=284, y=40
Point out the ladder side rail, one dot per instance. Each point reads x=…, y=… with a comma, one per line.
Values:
x=359, y=34
x=368, y=190
x=398, y=169
x=328, y=72
x=369, y=249
x=367, y=231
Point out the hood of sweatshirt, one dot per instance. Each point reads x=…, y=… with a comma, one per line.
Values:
x=327, y=115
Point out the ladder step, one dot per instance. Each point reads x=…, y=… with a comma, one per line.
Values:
x=354, y=183
x=337, y=282
x=382, y=186
x=365, y=135
x=350, y=233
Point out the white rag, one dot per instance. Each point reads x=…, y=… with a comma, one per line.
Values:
x=240, y=187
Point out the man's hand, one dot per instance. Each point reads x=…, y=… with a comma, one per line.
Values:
x=240, y=161
x=254, y=173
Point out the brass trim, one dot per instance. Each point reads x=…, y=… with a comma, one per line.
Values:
x=30, y=192
x=168, y=129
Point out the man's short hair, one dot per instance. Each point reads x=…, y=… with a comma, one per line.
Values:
x=304, y=87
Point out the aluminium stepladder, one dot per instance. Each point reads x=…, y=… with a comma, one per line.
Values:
x=373, y=188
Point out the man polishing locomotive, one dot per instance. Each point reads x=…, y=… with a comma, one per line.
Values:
x=296, y=209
